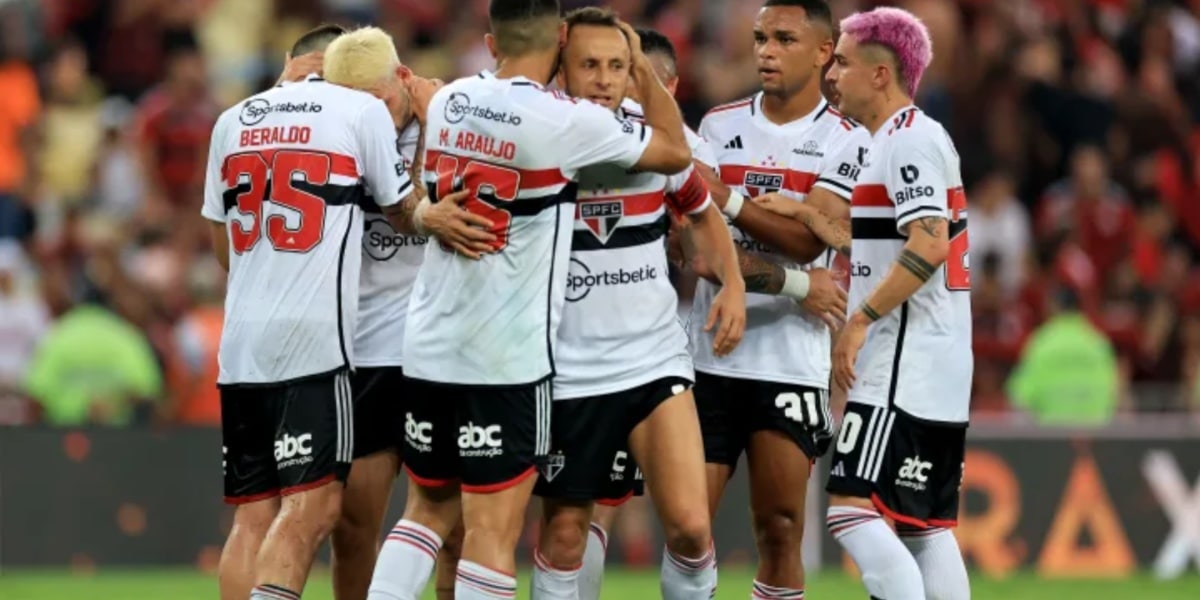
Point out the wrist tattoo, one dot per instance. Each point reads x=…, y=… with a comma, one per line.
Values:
x=916, y=265
x=760, y=276
x=870, y=312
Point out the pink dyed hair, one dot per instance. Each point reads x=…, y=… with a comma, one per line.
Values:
x=899, y=31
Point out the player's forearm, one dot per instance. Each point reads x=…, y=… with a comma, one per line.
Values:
x=788, y=236
x=918, y=263
x=403, y=214
x=661, y=111
x=716, y=245
x=834, y=233
x=418, y=165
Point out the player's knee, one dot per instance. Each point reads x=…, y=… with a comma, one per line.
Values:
x=315, y=512
x=778, y=533
x=563, y=542
x=452, y=546
x=689, y=535
x=254, y=520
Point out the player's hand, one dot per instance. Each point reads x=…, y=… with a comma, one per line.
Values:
x=420, y=93
x=826, y=298
x=781, y=205
x=729, y=312
x=845, y=352
x=467, y=233
x=635, y=40
x=296, y=68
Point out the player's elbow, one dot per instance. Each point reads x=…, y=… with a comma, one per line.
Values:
x=933, y=250
x=665, y=155
x=679, y=158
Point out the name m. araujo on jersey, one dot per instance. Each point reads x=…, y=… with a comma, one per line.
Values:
x=782, y=343
x=390, y=263
x=620, y=327
x=517, y=148
x=918, y=356
x=288, y=169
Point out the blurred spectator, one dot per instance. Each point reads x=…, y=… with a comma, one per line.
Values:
x=20, y=104
x=94, y=368
x=23, y=320
x=71, y=132
x=999, y=226
x=1068, y=372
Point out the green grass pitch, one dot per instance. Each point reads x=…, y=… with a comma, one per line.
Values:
x=620, y=585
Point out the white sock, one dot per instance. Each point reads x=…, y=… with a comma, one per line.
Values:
x=405, y=562
x=689, y=578
x=272, y=592
x=941, y=562
x=591, y=575
x=477, y=582
x=550, y=583
x=888, y=570
x=763, y=591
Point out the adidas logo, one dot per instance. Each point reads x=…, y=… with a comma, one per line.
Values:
x=839, y=470
x=734, y=144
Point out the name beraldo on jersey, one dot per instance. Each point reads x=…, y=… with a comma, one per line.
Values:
x=287, y=172
x=620, y=325
x=517, y=148
x=782, y=343
x=919, y=355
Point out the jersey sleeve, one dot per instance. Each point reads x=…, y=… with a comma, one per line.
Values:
x=686, y=192
x=214, y=175
x=916, y=181
x=841, y=167
x=383, y=168
x=594, y=135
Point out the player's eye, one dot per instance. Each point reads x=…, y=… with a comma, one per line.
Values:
x=759, y=38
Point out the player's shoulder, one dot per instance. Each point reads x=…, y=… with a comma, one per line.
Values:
x=837, y=124
x=735, y=111
x=913, y=128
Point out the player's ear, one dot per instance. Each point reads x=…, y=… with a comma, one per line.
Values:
x=562, y=34
x=672, y=84
x=824, y=53
x=404, y=73
x=490, y=41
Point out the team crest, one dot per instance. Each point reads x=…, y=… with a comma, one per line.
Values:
x=757, y=183
x=554, y=465
x=602, y=217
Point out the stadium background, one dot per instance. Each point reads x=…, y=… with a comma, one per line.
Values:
x=1077, y=124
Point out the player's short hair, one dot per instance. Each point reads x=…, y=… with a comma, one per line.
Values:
x=655, y=42
x=317, y=38
x=898, y=32
x=816, y=11
x=523, y=26
x=591, y=15
x=361, y=59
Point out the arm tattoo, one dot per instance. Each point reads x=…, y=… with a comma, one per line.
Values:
x=760, y=276
x=831, y=231
x=418, y=165
x=934, y=226
x=870, y=312
x=916, y=265
x=400, y=214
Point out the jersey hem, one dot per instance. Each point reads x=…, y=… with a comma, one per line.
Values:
x=282, y=382
x=475, y=384
x=623, y=386
x=882, y=402
x=373, y=363
x=769, y=377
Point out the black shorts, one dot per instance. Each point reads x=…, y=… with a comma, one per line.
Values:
x=489, y=438
x=909, y=467
x=379, y=394
x=589, y=448
x=286, y=438
x=732, y=409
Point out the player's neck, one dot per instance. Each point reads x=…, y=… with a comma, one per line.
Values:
x=535, y=67
x=887, y=105
x=785, y=109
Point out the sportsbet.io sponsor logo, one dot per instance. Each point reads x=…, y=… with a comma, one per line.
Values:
x=381, y=242
x=581, y=279
x=257, y=109
x=458, y=107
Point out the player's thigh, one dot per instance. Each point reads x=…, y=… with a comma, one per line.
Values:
x=247, y=445
x=314, y=433
x=430, y=426
x=779, y=473
x=588, y=456
x=909, y=468
x=379, y=399
x=723, y=423
x=368, y=490
x=667, y=444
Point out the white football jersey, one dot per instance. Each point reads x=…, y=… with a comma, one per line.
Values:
x=620, y=328
x=783, y=343
x=390, y=263
x=287, y=171
x=518, y=148
x=702, y=152
x=919, y=355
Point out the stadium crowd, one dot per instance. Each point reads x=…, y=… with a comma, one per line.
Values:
x=1077, y=121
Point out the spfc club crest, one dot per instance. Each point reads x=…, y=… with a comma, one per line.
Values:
x=602, y=217
x=554, y=465
x=758, y=183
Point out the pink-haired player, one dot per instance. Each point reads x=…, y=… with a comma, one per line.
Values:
x=900, y=450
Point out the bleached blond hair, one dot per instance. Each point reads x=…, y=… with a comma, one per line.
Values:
x=361, y=59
